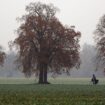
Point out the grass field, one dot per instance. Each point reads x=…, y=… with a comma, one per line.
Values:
x=62, y=91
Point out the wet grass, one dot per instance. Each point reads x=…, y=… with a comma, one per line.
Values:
x=30, y=93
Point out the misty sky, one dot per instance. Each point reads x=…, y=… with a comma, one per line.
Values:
x=84, y=14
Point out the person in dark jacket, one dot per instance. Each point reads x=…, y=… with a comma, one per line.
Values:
x=94, y=80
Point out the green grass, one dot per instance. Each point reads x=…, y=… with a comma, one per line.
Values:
x=68, y=80
x=69, y=91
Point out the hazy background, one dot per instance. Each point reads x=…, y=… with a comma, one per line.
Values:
x=84, y=14
x=87, y=67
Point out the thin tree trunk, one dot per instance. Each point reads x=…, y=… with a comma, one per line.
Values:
x=41, y=80
x=45, y=73
x=45, y=76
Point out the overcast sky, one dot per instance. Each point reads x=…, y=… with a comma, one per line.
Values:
x=84, y=14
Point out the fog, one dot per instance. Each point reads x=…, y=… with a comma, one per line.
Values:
x=84, y=14
x=87, y=67
x=9, y=68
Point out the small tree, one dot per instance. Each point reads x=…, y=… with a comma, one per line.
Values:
x=100, y=42
x=44, y=44
x=2, y=56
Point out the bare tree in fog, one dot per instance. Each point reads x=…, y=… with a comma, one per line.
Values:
x=100, y=42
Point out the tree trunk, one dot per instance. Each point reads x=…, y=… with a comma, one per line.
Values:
x=43, y=74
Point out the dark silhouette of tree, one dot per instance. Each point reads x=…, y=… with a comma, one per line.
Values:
x=100, y=42
x=2, y=56
x=44, y=44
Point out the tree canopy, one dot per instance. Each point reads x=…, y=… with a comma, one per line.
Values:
x=100, y=41
x=44, y=43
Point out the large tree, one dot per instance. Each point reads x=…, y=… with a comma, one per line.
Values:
x=100, y=42
x=44, y=44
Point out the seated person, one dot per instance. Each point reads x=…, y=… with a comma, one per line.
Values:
x=94, y=80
